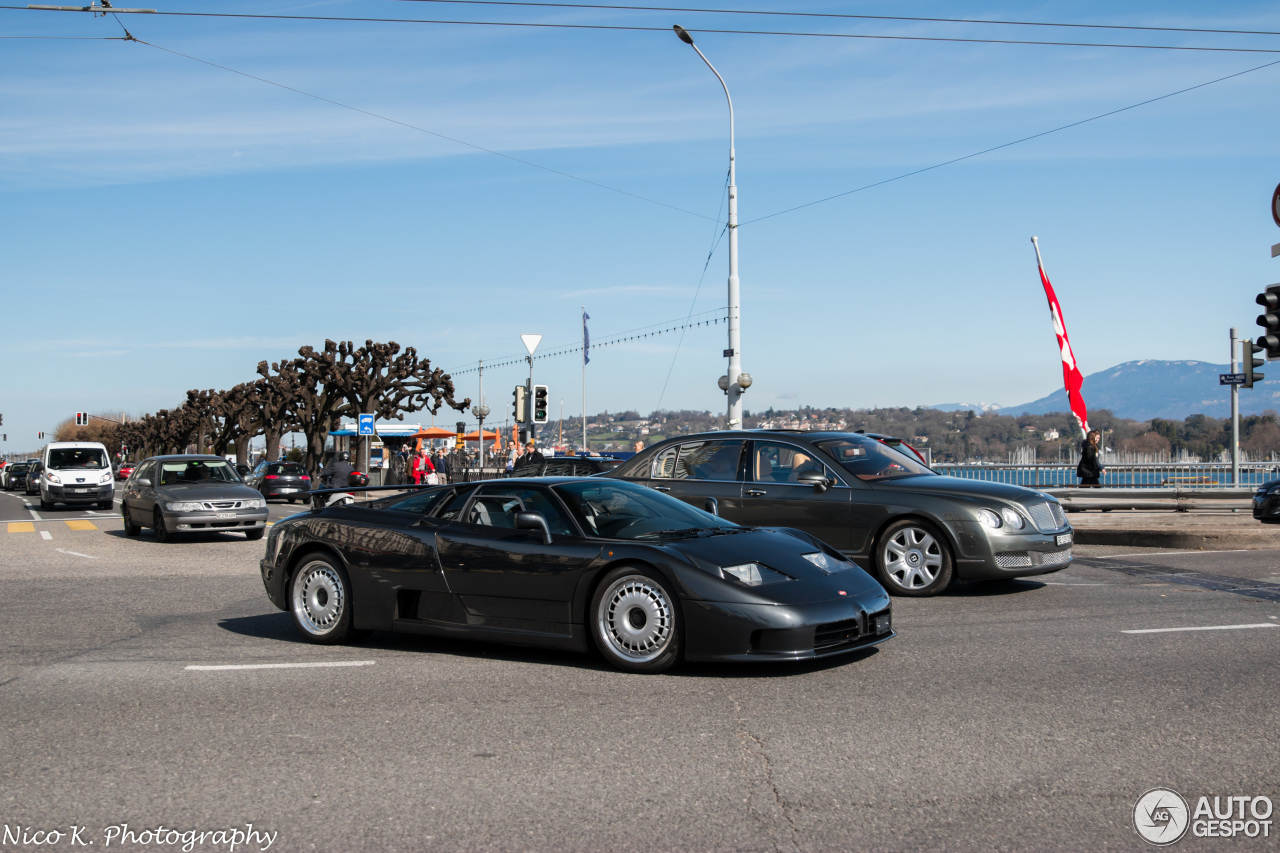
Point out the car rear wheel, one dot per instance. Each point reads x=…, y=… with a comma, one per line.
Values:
x=320, y=600
x=130, y=528
x=635, y=621
x=158, y=527
x=913, y=558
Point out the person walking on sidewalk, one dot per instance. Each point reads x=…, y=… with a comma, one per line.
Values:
x=1090, y=469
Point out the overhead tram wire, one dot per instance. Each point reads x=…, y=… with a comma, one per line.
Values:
x=839, y=16
x=955, y=160
x=622, y=28
x=405, y=124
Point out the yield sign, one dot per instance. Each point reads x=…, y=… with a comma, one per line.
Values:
x=531, y=342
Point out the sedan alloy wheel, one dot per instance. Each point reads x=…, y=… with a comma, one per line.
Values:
x=913, y=559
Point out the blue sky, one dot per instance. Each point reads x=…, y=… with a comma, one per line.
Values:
x=165, y=224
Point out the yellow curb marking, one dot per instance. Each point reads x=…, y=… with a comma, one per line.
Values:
x=81, y=525
x=22, y=527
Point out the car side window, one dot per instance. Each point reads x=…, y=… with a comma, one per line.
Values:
x=664, y=464
x=559, y=468
x=146, y=470
x=708, y=460
x=422, y=502
x=775, y=462
x=496, y=506
x=451, y=510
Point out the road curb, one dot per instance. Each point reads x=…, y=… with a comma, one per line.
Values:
x=1191, y=540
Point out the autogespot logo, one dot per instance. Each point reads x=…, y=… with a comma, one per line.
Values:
x=1161, y=816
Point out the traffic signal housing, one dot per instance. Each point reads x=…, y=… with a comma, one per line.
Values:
x=82, y=418
x=540, y=407
x=1251, y=364
x=1269, y=320
x=520, y=405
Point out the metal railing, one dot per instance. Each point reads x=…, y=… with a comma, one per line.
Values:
x=1204, y=475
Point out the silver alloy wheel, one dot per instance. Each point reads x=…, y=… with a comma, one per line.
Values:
x=636, y=619
x=912, y=558
x=318, y=598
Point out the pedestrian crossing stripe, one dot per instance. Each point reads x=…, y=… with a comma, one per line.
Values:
x=22, y=527
x=81, y=525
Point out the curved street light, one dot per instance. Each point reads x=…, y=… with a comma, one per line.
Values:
x=736, y=385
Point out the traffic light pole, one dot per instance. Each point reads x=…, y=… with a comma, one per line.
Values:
x=529, y=397
x=1235, y=414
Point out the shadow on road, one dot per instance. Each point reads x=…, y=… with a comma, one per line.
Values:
x=279, y=628
x=980, y=589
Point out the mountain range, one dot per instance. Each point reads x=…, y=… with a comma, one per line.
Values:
x=1142, y=390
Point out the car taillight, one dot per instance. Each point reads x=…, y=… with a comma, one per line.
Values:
x=272, y=477
x=304, y=477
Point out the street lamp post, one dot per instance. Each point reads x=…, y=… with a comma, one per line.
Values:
x=734, y=352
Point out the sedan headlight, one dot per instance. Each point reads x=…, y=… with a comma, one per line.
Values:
x=184, y=506
x=989, y=518
x=1012, y=518
x=753, y=574
x=50, y=477
x=253, y=503
x=827, y=563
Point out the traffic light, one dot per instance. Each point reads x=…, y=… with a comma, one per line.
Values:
x=40, y=436
x=520, y=404
x=1251, y=364
x=1269, y=299
x=459, y=441
x=540, y=404
x=82, y=418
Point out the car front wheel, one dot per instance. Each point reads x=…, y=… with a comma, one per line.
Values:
x=130, y=527
x=158, y=527
x=635, y=621
x=320, y=601
x=913, y=558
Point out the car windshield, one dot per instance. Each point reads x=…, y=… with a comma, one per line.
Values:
x=20, y=468
x=197, y=471
x=63, y=458
x=868, y=459
x=288, y=469
x=619, y=510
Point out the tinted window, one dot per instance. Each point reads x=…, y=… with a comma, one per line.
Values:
x=776, y=462
x=615, y=509
x=289, y=469
x=868, y=459
x=559, y=468
x=496, y=506
x=707, y=460
x=418, y=502
x=451, y=509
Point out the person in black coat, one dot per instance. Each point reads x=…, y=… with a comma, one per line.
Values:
x=1090, y=469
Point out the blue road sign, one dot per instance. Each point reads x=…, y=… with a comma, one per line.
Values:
x=1230, y=378
x=366, y=425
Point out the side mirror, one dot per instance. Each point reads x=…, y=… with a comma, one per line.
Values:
x=712, y=506
x=143, y=481
x=815, y=478
x=534, y=521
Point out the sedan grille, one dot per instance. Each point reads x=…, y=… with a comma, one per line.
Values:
x=1047, y=516
x=1055, y=558
x=222, y=504
x=1013, y=559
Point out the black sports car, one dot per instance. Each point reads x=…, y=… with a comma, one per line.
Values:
x=567, y=563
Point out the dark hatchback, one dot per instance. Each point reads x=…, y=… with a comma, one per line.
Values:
x=288, y=480
x=1266, y=502
x=570, y=563
x=567, y=466
x=15, y=476
x=881, y=507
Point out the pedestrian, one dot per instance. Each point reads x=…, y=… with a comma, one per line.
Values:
x=442, y=466
x=1090, y=468
x=639, y=446
x=422, y=468
x=532, y=454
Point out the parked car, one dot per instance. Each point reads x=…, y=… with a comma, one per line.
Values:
x=916, y=529
x=243, y=470
x=15, y=475
x=570, y=563
x=567, y=466
x=1266, y=502
x=33, y=478
x=124, y=469
x=287, y=480
x=76, y=472
x=190, y=494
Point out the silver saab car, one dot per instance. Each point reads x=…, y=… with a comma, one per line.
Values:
x=190, y=494
x=916, y=529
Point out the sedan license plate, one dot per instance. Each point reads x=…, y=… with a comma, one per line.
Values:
x=1064, y=539
x=226, y=515
x=287, y=491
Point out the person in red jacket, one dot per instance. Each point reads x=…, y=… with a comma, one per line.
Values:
x=422, y=467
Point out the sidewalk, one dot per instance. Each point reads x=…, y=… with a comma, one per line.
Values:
x=1208, y=530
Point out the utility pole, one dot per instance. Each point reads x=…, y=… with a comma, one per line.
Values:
x=1235, y=414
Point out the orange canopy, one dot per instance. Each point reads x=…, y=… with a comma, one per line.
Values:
x=433, y=432
x=474, y=435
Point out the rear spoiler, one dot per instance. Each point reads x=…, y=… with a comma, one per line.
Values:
x=317, y=496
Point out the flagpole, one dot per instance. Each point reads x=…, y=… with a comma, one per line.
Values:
x=1035, y=242
x=586, y=450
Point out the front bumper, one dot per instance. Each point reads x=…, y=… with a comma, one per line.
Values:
x=986, y=554
x=1266, y=508
x=77, y=493
x=208, y=521
x=720, y=631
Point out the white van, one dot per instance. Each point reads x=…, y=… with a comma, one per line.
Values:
x=76, y=472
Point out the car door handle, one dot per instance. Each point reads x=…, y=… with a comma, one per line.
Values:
x=755, y=493
x=662, y=488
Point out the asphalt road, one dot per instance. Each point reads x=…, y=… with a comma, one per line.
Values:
x=1012, y=716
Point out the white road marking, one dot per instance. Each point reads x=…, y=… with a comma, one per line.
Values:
x=33, y=512
x=75, y=553
x=1069, y=583
x=281, y=665
x=1201, y=628
x=44, y=534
